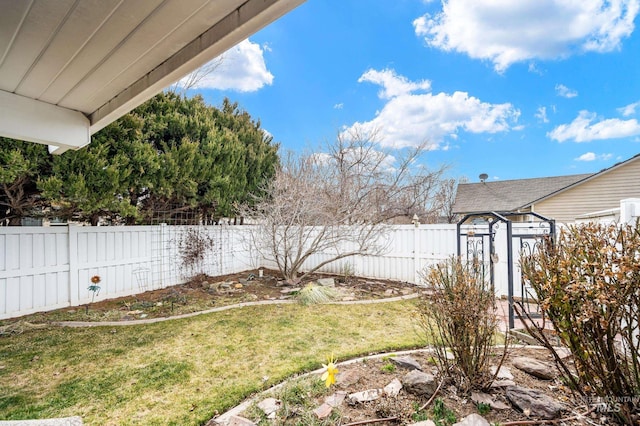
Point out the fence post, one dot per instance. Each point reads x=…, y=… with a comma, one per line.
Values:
x=163, y=247
x=72, y=238
x=416, y=253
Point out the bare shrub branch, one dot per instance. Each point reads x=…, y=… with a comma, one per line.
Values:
x=459, y=316
x=587, y=285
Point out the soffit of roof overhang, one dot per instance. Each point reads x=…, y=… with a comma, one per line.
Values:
x=70, y=67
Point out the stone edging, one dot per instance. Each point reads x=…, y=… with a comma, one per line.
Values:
x=224, y=418
x=220, y=309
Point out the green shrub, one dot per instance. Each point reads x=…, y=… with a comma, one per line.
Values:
x=587, y=284
x=458, y=314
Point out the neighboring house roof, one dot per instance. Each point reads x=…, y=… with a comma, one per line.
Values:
x=520, y=194
x=509, y=195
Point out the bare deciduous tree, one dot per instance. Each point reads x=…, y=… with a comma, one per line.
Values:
x=324, y=207
x=446, y=197
x=192, y=80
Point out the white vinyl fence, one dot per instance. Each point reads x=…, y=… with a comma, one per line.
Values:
x=45, y=268
x=409, y=249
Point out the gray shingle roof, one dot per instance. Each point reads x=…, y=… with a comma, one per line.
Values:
x=509, y=195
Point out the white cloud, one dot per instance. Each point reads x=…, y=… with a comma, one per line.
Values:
x=533, y=68
x=410, y=119
x=565, y=92
x=506, y=31
x=585, y=128
x=541, y=114
x=242, y=69
x=338, y=106
x=587, y=156
x=393, y=84
x=591, y=156
x=628, y=110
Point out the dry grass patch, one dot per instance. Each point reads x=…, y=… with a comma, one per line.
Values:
x=185, y=371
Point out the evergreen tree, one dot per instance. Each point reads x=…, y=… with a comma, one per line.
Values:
x=22, y=164
x=174, y=155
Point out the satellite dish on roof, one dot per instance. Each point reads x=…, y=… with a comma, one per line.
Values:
x=483, y=177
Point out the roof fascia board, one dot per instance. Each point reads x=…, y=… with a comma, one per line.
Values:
x=36, y=121
x=235, y=27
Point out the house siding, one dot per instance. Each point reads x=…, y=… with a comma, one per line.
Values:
x=602, y=192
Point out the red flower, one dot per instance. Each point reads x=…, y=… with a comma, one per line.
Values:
x=95, y=279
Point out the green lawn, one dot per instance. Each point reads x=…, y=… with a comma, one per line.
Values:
x=182, y=372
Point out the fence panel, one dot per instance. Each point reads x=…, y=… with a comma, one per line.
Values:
x=116, y=254
x=34, y=270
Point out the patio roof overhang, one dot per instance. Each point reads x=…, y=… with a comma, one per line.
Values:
x=68, y=68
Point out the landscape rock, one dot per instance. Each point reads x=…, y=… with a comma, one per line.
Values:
x=536, y=368
x=485, y=398
x=393, y=388
x=239, y=421
x=347, y=377
x=289, y=290
x=323, y=411
x=420, y=383
x=503, y=372
x=224, y=285
x=502, y=383
x=364, y=396
x=424, y=423
x=406, y=362
x=269, y=406
x=534, y=403
x=326, y=282
x=473, y=420
x=336, y=399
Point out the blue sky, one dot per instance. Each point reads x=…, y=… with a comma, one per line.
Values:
x=514, y=89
